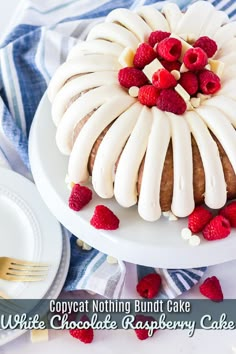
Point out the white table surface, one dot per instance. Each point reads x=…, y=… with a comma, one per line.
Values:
x=120, y=341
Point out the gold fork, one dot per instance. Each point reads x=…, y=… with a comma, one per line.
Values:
x=16, y=270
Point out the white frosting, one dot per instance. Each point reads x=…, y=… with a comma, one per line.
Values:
x=126, y=177
x=149, y=197
x=75, y=87
x=190, y=24
x=153, y=18
x=96, y=46
x=78, y=110
x=131, y=21
x=227, y=48
x=173, y=15
x=224, y=104
x=82, y=65
x=225, y=33
x=110, y=149
x=222, y=129
x=182, y=200
x=100, y=119
x=138, y=131
x=215, y=187
x=115, y=33
x=228, y=89
x=220, y=18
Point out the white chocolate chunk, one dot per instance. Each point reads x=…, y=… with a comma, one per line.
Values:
x=111, y=260
x=79, y=242
x=185, y=46
x=182, y=92
x=151, y=68
x=133, y=91
x=186, y=233
x=86, y=247
x=208, y=67
x=203, y=97
x=189, y=106
x=39, y=335
x=172, y=217
x=183, y=69
x=176, y=74
x=194, y=240
x=217, y=67
x=195, y=101
x=126, y=57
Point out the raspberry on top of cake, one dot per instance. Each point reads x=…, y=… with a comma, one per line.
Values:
x=146, y=106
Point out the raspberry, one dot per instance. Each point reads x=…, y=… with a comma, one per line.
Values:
x=129, y=77
x=104, y=218
x=211, y=288
x=207, y=44
x=149, y=286
x=216, y=229
x=144, y=55
x=169, y=49
x=142, y=333
x=209, y=82
x=195, y=59
x=189, y=81
x=170, y=101
x=79, y=197
x=163, y=79
x=229, y=212
x=147, y=95
x=157, y=36
x=198, y=219
x=84, y=335
x=173, y=65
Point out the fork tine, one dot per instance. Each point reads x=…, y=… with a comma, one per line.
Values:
x=30, y=269
x=26, y=278
x=17, y=262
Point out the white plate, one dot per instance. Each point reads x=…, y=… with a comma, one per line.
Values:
x=28, y=231
x=55, y=289
x=155, y=244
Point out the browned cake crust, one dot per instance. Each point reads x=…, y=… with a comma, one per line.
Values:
x=166, y=189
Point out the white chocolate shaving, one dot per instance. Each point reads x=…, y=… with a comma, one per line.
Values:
x=182, y=92
x=186, y=233
x=39, y=335
x=194, y=240
x=217, y=67
x=195, y=101
x=133, y=91
x=126, y=57
x=176, y=74
x=111, y=260
x=151, y=68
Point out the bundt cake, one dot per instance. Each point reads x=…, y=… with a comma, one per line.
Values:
x=147, y=107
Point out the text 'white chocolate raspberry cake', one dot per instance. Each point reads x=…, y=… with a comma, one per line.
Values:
x=147, y=107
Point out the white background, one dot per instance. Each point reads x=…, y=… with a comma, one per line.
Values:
x=117, y=342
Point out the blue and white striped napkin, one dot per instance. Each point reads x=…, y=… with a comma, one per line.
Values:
x=36, y=43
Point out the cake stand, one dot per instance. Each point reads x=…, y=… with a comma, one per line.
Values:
x=156, y=244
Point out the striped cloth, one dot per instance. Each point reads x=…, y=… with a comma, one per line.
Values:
x=36, y=43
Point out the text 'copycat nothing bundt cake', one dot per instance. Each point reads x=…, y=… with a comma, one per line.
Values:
x=147, y=107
